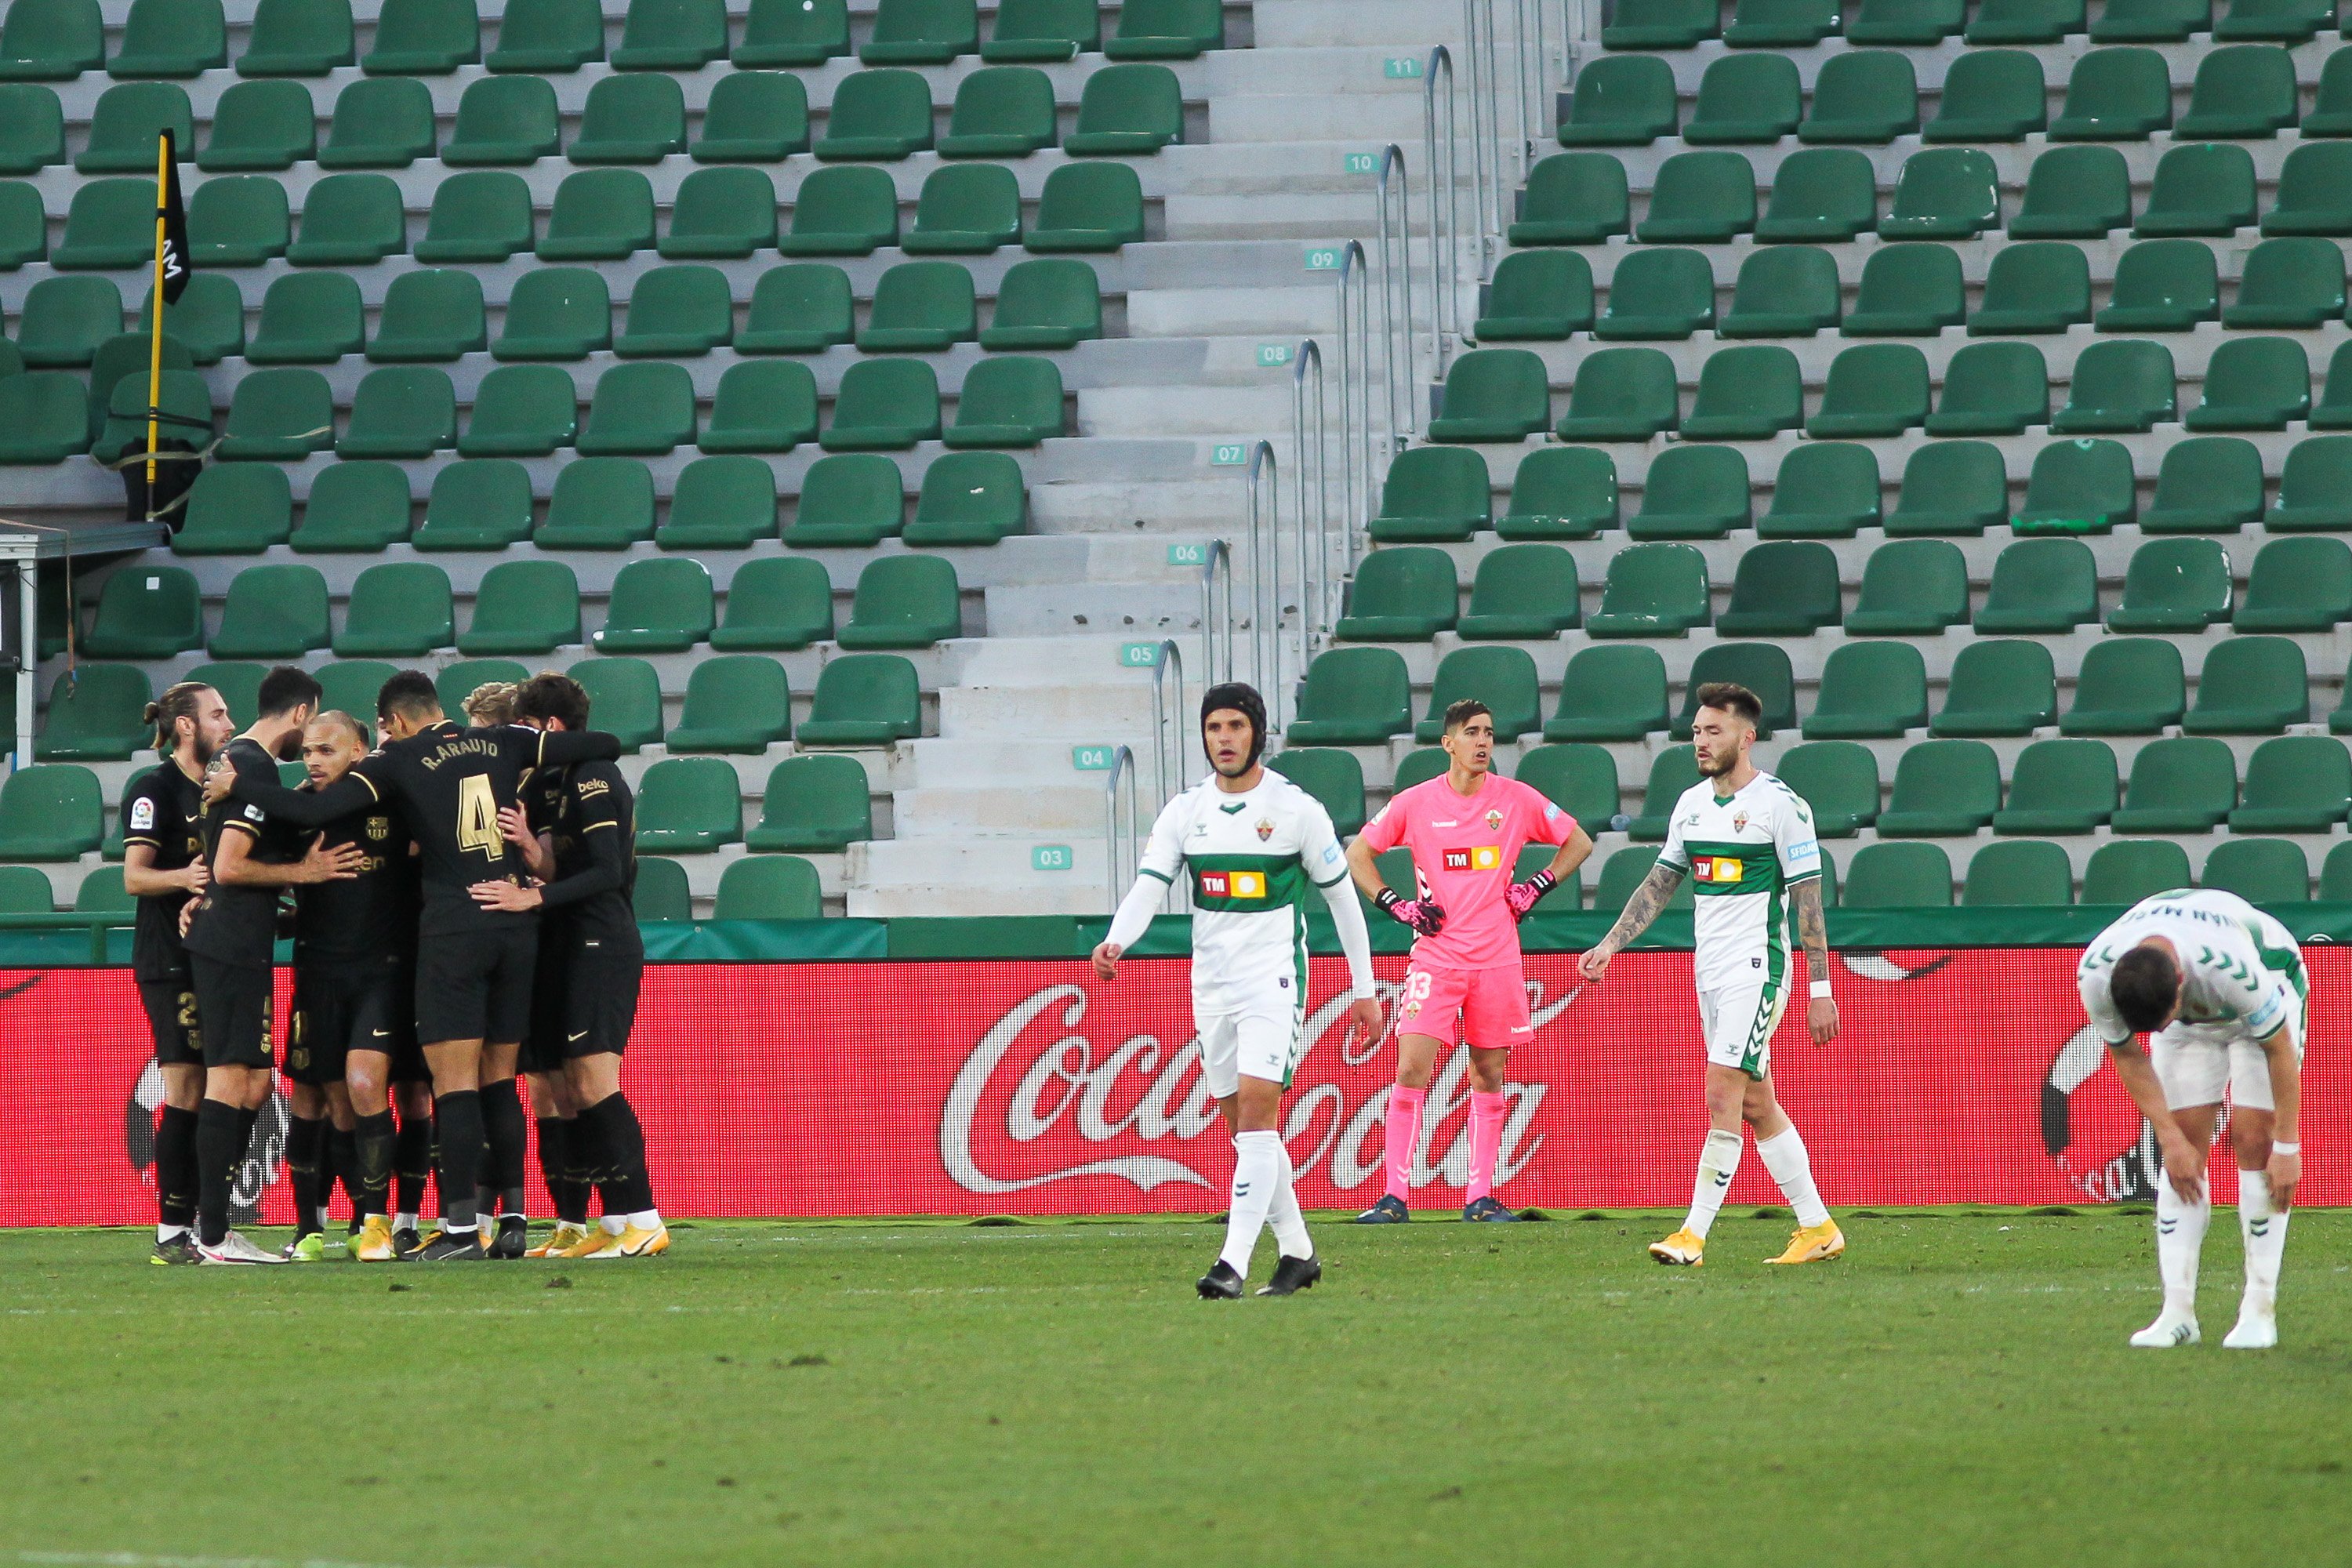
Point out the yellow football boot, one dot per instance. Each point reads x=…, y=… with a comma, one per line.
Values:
x=636, y=1243
x=1685, y=1246
x=590, y=1244
x=373, y=1243
x=1815, y=1243
x=561, y=1239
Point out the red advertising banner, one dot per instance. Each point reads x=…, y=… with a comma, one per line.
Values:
x=1030, y=1087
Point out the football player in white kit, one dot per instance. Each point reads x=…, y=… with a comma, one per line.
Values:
x=1253, y=843
x=2219, y=987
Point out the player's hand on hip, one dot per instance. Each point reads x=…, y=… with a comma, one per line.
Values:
x=1822, y=1018
x=2285, y=1172
x=1594, y=965
x=1365, y=1022
x=1106, y=958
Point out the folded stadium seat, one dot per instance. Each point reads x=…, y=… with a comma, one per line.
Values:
x=1943, y=193
x=1404, y=594
x=967, y=209
x=1662, y=293
x=126, y=357
x=877, y=115
x=2313, y=488
x=1693, y=492
x=2314, y=192
x=634, y=119
x=1002, y=112
x=273, y=613
x=1610, y=693
x=720, y=503
x=1493, y=395
x=260, y=125
x=1822, y=194
x=187, y=408
x=846, y=211
x=307, y=318
x=64, y=319
x=50, y=811
x=424, y=38
x=51, y=40
x=2078, y=487
x=2074, y=192
x=1126, y=110
x=2184, y=785
x=1943, y=789
x=2152, y=21
x=1560, y=492
x=2297, y=585
x=1907, y=291
x=385, y=124
x=1652, y=591
x=2117, y=387
x=921, y=31
x=721, y=212
x=2334, y=409
x=1870, y=691
x=2174, y=584
x=1956, y=488
x=2331, y=106
x=2127, y=686
x=32, y=129
x=1838, y=779
x=2019, y=875
x=676, y=312
x=1661, y=25
x=1620, y=100
x=1992, y=389
x=235, y=509
x=793, y=33
x=354, y=508
x=2253, y=383
x=1904, y=21
x=1537, y=296
x=350, y=220
x=849, y=500
x=671, y=36
x=521, y=411
x=1042, y=30
x=2025, y=22
x=238, y=221
x=1762, y=668
x=555, y=313
x=282, y=415
x=477, y=503
x=769, y=887
x=109, y=227
x=753, y=117
x=626, y=702
x=1523, y=591
x=2335, y=876
x=2162, y=285
x=599, y=214
x=397, y=609
x=1352, y=697
x=126, y=122
x=2208, y=484
x=1332, y=776
x=761, y=407
x=1045, y=302
x=904, y=602
x=2116, y=95
x=350, y=686
x=2250, y=686
x=1867, y=97
x=1620, y=394
x=1703, y=198
x=820, y=805
x=799, y=308
x=688, y=805
x=1100, y=207
x=1824, y=489
x=1743, y=98
x=1748, y=393
x=208, y=321
x=1783, y=589
x=1873, y=389
x=546, y=37
x=458, y=681
x=2041, y=286
x=2296, y=783
x=401, y=412
x=1625, y=871
x=2205, y=188
x=146, y=612
x=2259, y=870
x=1166, y=30
x=920, y=306
x=2045, y=586
x=523, y=607
x=1570, y=198
x=739, y=702
x=599, y=503
x=2245, y=92
x=431, y=316
x=969, y=499
x=1998, y=687
x=1672, y=772
x=776, y=602
x=1784, y=291
x=1504, y=678
x=2286, y=21
x=2289, y=284
x=883, y=405
x=642, y=409
x=1008, y=400
x=1782, y=23
x=864, y=700
x=2059, y=787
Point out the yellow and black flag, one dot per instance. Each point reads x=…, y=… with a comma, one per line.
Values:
x=171, y=224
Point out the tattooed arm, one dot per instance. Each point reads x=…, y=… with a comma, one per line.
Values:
x=1640, y=910
x=1812, y=931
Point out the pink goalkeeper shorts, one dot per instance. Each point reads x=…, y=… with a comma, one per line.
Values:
x=1492, y=1004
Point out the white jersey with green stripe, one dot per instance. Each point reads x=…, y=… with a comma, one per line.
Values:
x=1742, y=853
x=2240, y=971
x=1249, y=860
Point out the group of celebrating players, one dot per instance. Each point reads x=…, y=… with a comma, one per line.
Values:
x=2217, y=986
x=459, y=901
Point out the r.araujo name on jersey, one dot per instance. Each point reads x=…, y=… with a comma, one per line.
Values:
x=1742, y=855
x=1250, y=860
x=2240, y=971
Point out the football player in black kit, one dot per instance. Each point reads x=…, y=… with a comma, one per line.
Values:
x=473, y=963
x=164, y=867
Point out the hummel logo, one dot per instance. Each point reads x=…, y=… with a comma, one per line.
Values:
x=1723, y=1178
x=2167, y=1226
x=2260, y=1227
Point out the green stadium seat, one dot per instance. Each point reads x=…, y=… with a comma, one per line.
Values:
x=2174, y=586
x=966, y=209
x=2041, y=586
x=478, y=503
x=1352, y=697
x=1538, y=296
x=599, y=503
x=1042, y=30
x=737, y=702
x=1008, y=400
x=1904, y=21
x=1943, y=193
x=186, y=408
x=235, y=509
x=1873, y=389
x=2116, y=95
x=1522, y=591
x=1943, y=789
x=2163, y=286
x=2078, y=487
x=1762, y=668
x=660, y=893
x=2042, y=285
x=1864, y=96
x=354, y=508
x=2295, y=783
x=658, y=607
x=1748, y=393
x=2209, y=484
x=1652, y=591
x=548, y=37
x=2152, y=21
x=1661, y=25
x=920, y=306
x=904, y=602
x=1090, y=207
x=125, y=123
x=921, y=31
x=1625, y=871
x=237, y=222
x=2075, y=193
x=64, y=320
x=2287, y=21
x=350, y=686
x=1672, y=772
x=380, y=124
x=1998, y=687
x=2259, y=870
x=125, y=357
x=2060, y=787
x=877, y=115
x=720, y=503
x=508, y=120
x=273, y=613
x=1126, y=110
x=864, y=700
x=2250, y=686
x=599, y=214
x=1620, y=100
x=1838, y=779
x=1870, y=691
x=521, y=411
x=688, y=805
x=801, y=307
x=259, y=125
x=281, y=415
x=101, y=893
x=1167, y=29
x=2289, y=283
x=671, y=36
x=1782, y=23
x=44, y=417
x=401, y=413
x=2246, y=91
x=2118, y=387
x=1693, y=492
x=424, y=38
x=969, y=499
x=1493, y=395
x=1908, y=291
x=776, y=602
x=1667, y=292
x=50, y=812
x=307, y=318
x=96, y=714
x=1825, y=490
x=397, y=609
x=753, y=117
x=1620, y=394
x=762, y=406
x=1573, y=198
x=2019, y=874
x=793, y=33
x=1610, y=694
x=883, y=405
x=1003, y=112
x=32, y=129
x=2331, y=109
x=1785, y=291
x=556, y=314
x=2205, y=188
x=624, y=700
x=769, y=887
x=814, y=803
x=109, y=227
x=849, y=500
x=2335, y=876
x=1045, y=302
x=1910, y=587
x=1990, y=95
x=721, y=212
x=676, y=312
x=640, y=409
x=2312, y=495
x=2184, y=785
x=1783, y=588
x=350, y=220
x=1581, y=780
x=1561, y=492
x=846, y=211
x=523, y=607
x=1743, y=98
x=208, y=321
x=431, y=315
x=146, y=612
x=1700, y=197
x=1825, y=195
x=634, y=119
x=2334, y=409
x=1992, y=389
x=51, y=40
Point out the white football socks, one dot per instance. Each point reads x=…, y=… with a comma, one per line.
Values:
x=2263, y=1228
x=1290, y=1221
x=1784, y=1155
x=1719, y=1161
x=2180, y=1241
x=646, y=1219
x=1257, y=1176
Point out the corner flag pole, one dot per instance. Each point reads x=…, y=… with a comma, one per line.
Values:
x=156, y=337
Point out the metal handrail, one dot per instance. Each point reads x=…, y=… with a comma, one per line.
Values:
x=1121, y=866
x=1264, y=481
x=1442, y=155
x=1216, y=631
x=1396, y=293
x=1486, y=140
x=1167, y=737
x=1311, y=497
x=1360, y=452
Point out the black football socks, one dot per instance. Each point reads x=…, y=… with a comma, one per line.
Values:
x=176, y=1168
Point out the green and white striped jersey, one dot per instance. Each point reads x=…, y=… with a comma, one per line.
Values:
x=2240, y=971
x=1742, y=853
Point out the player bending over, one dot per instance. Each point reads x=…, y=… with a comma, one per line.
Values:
x=2219, y=988
x=1746, y=841
x=1253, y=841
x=1465, y=830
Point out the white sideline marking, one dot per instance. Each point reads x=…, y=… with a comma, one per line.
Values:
x=146, y=1560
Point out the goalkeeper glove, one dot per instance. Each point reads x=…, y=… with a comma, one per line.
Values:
x=1421, y=914
x=1524, y=895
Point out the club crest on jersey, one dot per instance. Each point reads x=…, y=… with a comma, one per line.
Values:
x=1483, y=857
x=1232, y=884
x=379, y=828
x=1265, y=830
x=1715, y=868
x=1493, y=822
x=1739, y=822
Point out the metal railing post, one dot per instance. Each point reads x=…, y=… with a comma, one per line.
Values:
x=1309, y=413
x=1167, y=725
x=1441, y=157
x=1264, y=481
x=1396, y=296
x=1216, y=631
x=1119, y=856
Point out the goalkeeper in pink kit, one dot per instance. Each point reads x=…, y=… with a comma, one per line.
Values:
x=1465, y=829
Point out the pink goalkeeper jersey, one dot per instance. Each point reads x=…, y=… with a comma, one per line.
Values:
x=1463, y=851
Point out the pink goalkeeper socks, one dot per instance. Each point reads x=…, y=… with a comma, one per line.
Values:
x=1486, y=1111
x=1405, y=1138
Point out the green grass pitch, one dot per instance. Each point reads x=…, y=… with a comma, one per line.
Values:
x=1957, y=1390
